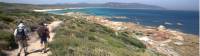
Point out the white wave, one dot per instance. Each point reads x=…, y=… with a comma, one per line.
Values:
x=74, y=8
x=179, y=23
x=45, y=10
x=168, y=23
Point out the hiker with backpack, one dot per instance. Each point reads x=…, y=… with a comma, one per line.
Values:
x=21, y=37
x=43, y=33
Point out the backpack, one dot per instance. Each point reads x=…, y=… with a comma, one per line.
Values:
x=21, y=34
x=43, y=32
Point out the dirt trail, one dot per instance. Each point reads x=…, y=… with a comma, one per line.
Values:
x=34, y=42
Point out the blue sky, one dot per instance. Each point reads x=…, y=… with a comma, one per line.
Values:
x=169, y=4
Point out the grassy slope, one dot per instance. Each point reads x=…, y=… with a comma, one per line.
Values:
x=82, y=38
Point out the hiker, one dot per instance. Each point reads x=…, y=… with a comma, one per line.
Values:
x=43, y=33
x=21, y=37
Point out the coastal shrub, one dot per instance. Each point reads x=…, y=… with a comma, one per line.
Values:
x=3, y=54
x=5, y=18
x=124, y=37
x=3, y=25
x=127, y=39
x=7, y=40
x=1, y=11
x=138, y=33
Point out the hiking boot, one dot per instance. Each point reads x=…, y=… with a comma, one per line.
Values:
x=43, y=51
x=26, y=53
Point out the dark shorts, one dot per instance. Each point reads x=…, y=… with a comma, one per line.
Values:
x=22, y=41
x=43, y=40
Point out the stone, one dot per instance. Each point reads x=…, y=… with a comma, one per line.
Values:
x=178, y=43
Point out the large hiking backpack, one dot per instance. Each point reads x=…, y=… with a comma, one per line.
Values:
x=21, y=35
x=43, y=32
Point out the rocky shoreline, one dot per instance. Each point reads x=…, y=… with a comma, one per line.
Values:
x=158, y=39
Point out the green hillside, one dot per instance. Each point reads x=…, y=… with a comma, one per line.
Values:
x=81, y=38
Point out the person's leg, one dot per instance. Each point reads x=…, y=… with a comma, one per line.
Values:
x=42, y=45
x=45, y=44
x=25, y=47
x=19, y=48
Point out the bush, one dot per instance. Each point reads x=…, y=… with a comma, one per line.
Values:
x=5, y=18
x=7, y=40
x=131, y=40
x=3, y=54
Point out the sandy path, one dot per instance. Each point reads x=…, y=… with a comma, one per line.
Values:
x=34, y=42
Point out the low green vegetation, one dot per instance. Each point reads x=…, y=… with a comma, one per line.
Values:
x=77, y=37
x=6, y=40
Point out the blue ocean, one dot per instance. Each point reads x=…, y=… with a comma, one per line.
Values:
x=184, y=21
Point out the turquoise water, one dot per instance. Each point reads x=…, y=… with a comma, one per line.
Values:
x=184, y=21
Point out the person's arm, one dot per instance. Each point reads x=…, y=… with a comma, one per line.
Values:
x=48, y=33
x=26, y=33
x=38, y=31
x=15, y=33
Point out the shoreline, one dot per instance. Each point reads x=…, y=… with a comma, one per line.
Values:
x=105, y=18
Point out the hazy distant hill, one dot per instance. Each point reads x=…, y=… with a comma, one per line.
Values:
x=69, y=5
x=113, y=5
x=28, y=6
